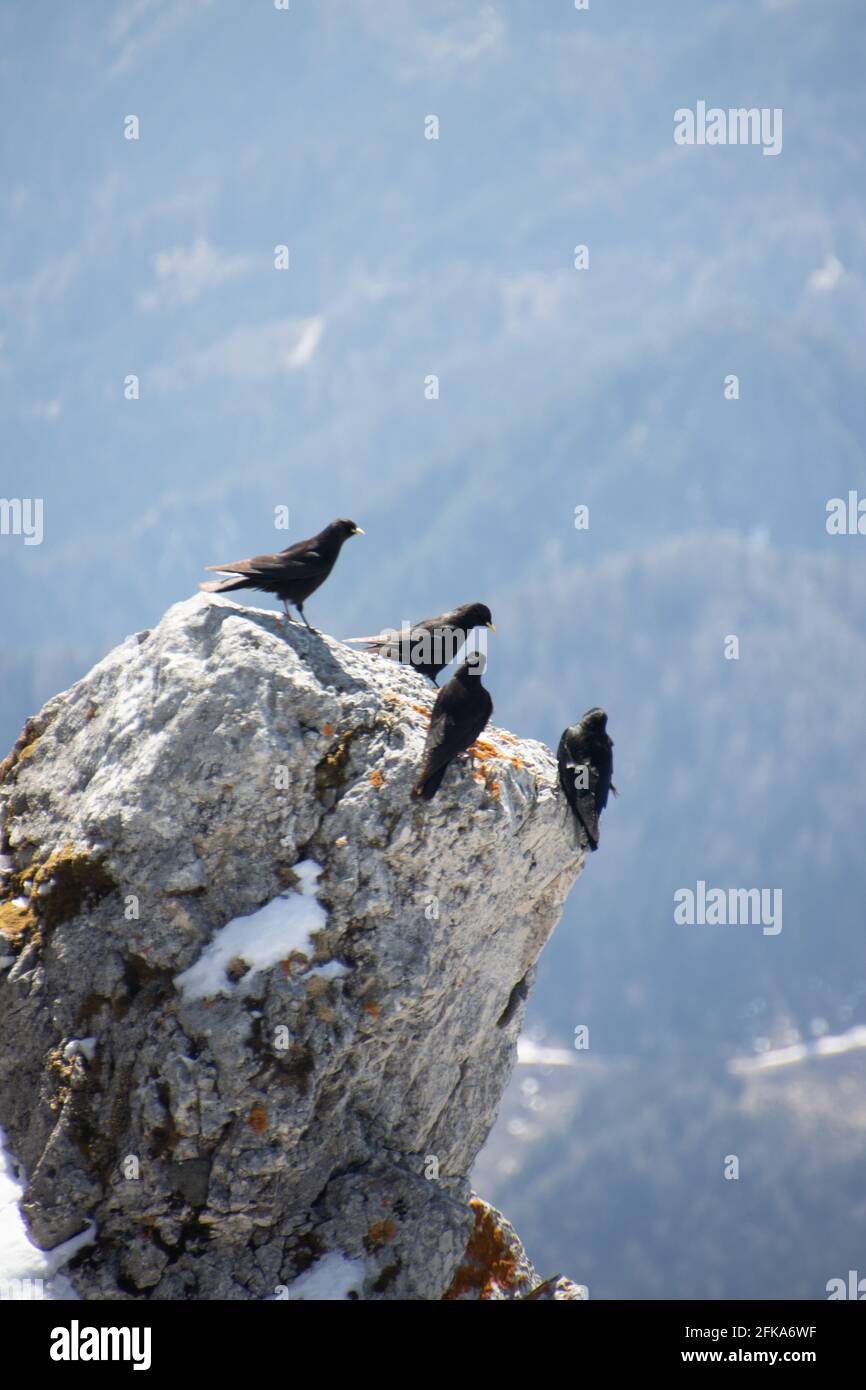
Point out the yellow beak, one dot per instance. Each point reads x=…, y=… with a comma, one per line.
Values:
x=358, y=532
x=492, y=626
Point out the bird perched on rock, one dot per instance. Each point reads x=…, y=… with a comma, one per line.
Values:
x=585, y=759
x=460, y=712
x=432, y=644
x=291, y=574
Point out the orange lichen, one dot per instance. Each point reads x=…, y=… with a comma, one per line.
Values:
x=421, y=709
x=371, y=1007
x=290, y=964
x=380, y=1233
x=257, y=1119
x=328, y=731
x=376, y=778
x=489, y=1261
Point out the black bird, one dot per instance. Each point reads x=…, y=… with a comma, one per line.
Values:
x=432, y=644
x=460, y=711
x=291, y=574
x=585, y=758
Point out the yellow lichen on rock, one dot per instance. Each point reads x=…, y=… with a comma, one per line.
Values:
x=56, y=890
x=67, y=881
x=15, y=921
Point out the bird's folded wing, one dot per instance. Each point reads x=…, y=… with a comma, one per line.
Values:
x=581, y=765
x=448, y=738
x=306, y=566
x=440, y=748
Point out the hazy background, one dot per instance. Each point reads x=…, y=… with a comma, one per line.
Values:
x=558, y=387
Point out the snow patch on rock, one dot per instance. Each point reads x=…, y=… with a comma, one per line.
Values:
x=260, y=939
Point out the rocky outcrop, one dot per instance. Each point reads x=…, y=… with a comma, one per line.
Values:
x=258, y=1006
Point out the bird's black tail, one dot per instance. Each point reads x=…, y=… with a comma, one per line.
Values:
x=224, y=586
x=590, y=828
x=427, y=787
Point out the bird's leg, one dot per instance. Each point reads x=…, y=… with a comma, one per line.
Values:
x=309, y=627
x=288, y=617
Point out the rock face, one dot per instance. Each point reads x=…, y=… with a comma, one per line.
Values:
x=287, y=1105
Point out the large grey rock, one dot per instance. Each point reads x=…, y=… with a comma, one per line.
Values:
x=295, y=1117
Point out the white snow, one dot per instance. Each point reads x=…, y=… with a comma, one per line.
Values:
x=330, y=1279
x=25, y=1271
x=260, y=939
x=83, y=1047
x=331, y=970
